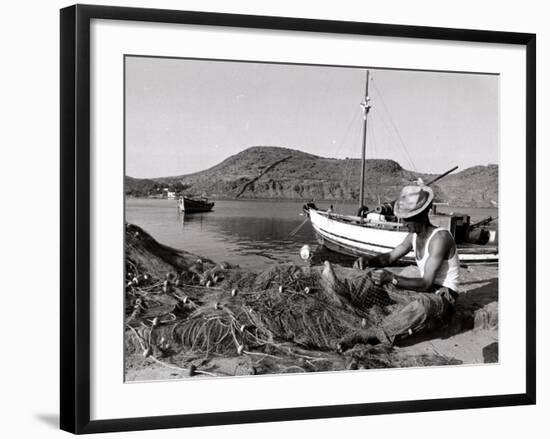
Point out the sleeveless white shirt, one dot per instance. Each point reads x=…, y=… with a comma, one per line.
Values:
x=447, y=274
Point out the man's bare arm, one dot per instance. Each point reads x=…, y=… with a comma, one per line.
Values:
x=385, y=259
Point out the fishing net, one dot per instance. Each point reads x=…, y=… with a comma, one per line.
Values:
x=365, y=294
x=283, y=303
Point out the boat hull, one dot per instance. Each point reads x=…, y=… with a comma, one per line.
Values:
x=195, y=206
x=355, y=239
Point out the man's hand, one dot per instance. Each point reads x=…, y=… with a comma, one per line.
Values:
x=381, y=277
x=361, y=264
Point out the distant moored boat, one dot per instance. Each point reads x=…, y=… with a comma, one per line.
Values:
x=195, y=204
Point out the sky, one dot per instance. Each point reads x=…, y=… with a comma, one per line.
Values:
x=185, y=115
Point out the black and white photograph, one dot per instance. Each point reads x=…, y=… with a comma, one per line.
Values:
x=287, y=218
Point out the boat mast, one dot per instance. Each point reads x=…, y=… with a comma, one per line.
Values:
x=366, y=107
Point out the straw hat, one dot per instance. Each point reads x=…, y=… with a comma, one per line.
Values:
x=412, y=201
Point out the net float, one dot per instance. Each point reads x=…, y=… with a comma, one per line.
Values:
x=233, y=292
x=147, y=352
x=209, y=284
x=305, y=252
x=240, y=349
x=155, y=321
x=281, y=289
x=363, y=323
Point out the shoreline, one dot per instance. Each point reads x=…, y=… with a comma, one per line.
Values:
x=294, y=200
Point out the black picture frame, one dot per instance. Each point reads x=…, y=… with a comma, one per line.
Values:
x=75, y=217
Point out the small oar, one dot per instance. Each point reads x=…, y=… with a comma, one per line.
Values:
x=297, y=229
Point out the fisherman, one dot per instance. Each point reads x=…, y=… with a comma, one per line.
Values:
x=434, y=293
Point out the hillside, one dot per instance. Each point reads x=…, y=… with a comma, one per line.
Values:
x=140, y=186
x=282, y=173
x=474, y=187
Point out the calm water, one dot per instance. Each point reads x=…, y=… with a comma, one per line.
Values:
x=252, y=234
x=249, y=233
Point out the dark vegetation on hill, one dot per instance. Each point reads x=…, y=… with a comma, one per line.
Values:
x=303, y=176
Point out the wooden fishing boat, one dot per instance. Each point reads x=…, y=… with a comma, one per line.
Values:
x=188, y=204
x=371, y=233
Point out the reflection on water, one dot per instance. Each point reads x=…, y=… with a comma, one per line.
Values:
x=252, y=234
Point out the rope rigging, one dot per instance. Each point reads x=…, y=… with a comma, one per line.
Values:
x=393, y=125
x=348, y=143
